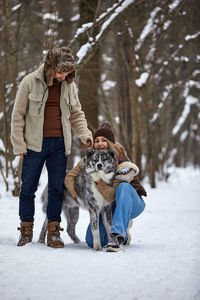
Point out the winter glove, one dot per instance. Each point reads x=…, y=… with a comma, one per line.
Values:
x=92, y=173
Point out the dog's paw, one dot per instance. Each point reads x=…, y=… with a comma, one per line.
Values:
x=97, y=248
x=76, y=241
x=41, y=241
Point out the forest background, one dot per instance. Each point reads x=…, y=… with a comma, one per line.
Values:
x=138, y=67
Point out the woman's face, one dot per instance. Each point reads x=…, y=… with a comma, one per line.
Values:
x=100, y=143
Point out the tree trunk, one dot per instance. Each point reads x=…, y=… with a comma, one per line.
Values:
x=10, y=48
x=136, y=142
x=89, y=77
x=3, y=102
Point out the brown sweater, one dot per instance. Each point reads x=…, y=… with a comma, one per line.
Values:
x=52, y=114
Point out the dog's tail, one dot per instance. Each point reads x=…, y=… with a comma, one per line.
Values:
x=44, y=198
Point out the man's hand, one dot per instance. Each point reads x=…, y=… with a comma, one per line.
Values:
x=89, y=143
x=86, y=146
x=22, y=154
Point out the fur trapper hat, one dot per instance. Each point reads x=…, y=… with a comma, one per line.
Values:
x=106, y=131
x=59, y=60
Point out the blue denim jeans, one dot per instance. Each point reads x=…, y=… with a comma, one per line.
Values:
x=128, y=206
x=53, y=154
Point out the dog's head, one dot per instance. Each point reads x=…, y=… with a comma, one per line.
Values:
x=101, y=160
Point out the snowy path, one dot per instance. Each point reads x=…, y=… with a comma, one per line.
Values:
x=163, y=261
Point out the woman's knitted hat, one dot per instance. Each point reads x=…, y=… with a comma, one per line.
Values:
x=106, y=131
x=59, y=60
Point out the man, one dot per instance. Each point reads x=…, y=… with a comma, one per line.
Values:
x=46, y=108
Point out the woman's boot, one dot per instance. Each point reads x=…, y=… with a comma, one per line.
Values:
x=26, y=236
x=53, y=237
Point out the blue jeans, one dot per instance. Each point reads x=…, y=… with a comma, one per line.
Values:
x=53, y=153
x=128, y=206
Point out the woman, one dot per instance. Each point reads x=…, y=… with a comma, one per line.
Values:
x=125, y=192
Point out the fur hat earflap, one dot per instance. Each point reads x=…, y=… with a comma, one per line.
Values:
x=106, y=131
x=59, y=60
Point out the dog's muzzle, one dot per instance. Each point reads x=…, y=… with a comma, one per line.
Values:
x=99, y=166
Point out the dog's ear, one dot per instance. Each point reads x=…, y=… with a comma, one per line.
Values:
x=89, y=152
x=112, y=153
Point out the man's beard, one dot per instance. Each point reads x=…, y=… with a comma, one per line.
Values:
x=58, y=80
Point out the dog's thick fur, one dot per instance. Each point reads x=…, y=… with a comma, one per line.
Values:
x=101, y=162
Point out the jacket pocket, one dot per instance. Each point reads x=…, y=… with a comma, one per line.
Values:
x=35, y=105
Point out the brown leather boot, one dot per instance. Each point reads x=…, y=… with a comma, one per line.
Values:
x=26, y=236
x=53, y=237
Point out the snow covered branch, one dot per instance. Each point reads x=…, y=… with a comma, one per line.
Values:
x=105, y=21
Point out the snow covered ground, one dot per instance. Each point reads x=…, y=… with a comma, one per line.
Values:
x=162, y=262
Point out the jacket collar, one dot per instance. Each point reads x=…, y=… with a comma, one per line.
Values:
x=40, y=73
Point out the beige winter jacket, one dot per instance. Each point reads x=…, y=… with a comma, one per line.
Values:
x=28, y=114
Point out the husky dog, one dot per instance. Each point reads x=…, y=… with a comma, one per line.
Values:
x=101, y=162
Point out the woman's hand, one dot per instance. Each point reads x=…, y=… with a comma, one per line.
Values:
x=92, y=173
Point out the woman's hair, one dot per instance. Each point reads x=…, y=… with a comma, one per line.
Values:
x=121, y=154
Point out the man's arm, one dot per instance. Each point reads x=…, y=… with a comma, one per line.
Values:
x=18, y=118
x=78, y=121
